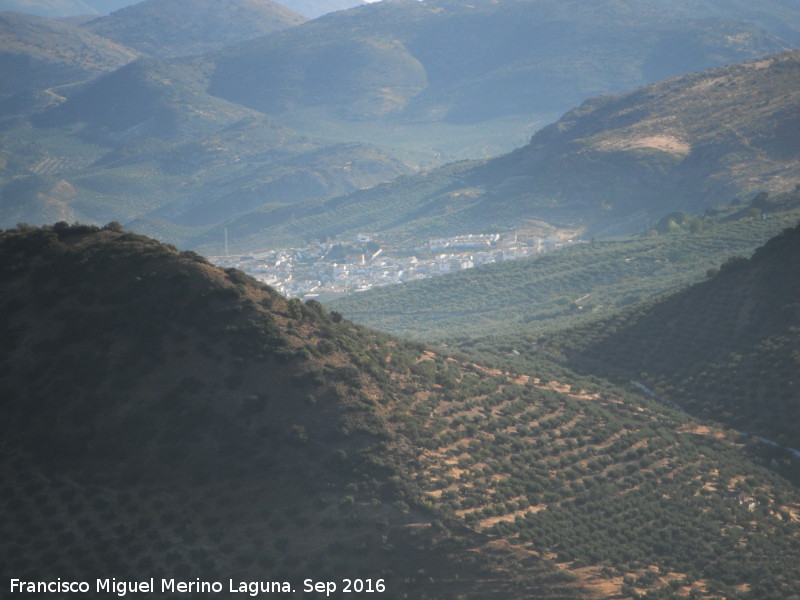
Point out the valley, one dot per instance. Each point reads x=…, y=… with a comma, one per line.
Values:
x=333, y=269
x=579, y=283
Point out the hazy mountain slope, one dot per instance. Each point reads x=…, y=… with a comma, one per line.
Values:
x=37, y=53
x=165, y=418
x=167, y=28
x=162, y=418
x=776, y=16
x=146, y=99
x=684, y=143
x=527, y=296
x=63, y=8
x=611, y=166
x=726, y=349
x=468, y=62
x=147, y=137
x=406, y=85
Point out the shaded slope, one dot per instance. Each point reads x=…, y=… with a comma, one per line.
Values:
x=725, y=349
x=166, y=28
x=162, y=418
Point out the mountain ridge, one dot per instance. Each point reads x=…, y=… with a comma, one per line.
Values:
x=494, y=74
x=290, y=440
x=38, y=54
x=265, y=422
x=171, y=28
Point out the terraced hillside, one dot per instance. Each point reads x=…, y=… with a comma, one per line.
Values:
x=163, y=418
x=617, y=490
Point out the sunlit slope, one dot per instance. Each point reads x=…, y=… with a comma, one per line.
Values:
x=166, y=28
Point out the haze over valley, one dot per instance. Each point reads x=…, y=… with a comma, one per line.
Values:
x=437, y=300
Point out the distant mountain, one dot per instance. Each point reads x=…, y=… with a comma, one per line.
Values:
x=63, y=8
x=418, y=84
x=726, y=349
x=163, y=418
x=467, y=62
x=167, y=28
x=37, y=54
x=146, y=142
x=683, y=144
x=145, y=99
x=611, y=166
x=779, y=17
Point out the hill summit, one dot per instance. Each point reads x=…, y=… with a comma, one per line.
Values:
x=164, y=418
x=168, y=28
